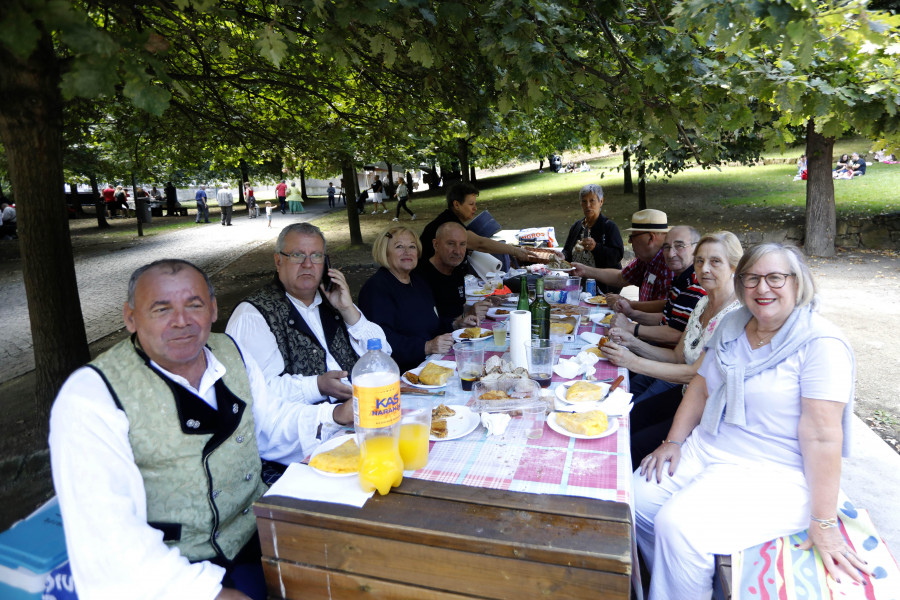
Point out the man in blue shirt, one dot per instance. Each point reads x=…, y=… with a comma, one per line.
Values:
x=202, y=206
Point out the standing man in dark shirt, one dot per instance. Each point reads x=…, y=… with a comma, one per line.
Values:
x=445, y=274
x=461, y=208
x=171, y=199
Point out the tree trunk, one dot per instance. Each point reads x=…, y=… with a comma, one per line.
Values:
x=303, y=184
x=31, y=131
x=462, y=154
x=390, y=179
x=628, y=187
x=821, y=217
x=138, y=205
x=471, y=173
x=541, y=165
x=352, y=214
x=409, y=184
x=99, y=203
x=245, y=178
x=642, y=186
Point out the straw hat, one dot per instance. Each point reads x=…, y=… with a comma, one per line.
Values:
x=649, y=220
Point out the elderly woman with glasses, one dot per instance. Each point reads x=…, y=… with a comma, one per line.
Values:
x=755, y=449
x=595, y=241
x=402, y=302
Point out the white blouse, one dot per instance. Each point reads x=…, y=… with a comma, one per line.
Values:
x=695, y=335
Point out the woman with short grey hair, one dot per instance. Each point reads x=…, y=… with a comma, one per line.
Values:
x=595, y=241
x=755, y=449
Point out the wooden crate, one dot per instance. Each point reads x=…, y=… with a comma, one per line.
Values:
x=436, y=541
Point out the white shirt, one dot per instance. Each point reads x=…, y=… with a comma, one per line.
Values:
x=114, y=553
x=224, y=197
x=249, y=328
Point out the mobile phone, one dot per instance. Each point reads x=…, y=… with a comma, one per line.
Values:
x=327, y=283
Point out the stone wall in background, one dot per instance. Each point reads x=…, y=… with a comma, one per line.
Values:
x=881, y=232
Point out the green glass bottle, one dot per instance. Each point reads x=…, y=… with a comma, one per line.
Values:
x=523, y=294
x=540, y=313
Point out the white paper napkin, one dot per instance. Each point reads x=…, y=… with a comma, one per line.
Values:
x=495, y=423
x=302, y=482
x=580, y=364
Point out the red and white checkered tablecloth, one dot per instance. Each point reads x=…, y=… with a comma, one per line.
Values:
x=553, y=464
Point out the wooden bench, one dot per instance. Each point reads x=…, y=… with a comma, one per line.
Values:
x=438, y=541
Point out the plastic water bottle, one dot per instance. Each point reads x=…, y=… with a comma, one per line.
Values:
x=376, y=416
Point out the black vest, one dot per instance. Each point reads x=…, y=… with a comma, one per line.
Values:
x=300, y=349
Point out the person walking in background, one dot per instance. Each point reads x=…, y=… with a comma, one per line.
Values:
x=402, y=195
x=269, y=213
x=171, y=199
x=109, y=196
x=252, y=208
x=202, y=205
x=122, y=199
x=331, y=193
x=378, y=194
x=226, y=202
x=281, y=196
x=295, y=199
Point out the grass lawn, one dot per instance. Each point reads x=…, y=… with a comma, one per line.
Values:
x=740, y=199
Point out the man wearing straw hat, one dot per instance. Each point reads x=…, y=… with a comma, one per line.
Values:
x=648, y=270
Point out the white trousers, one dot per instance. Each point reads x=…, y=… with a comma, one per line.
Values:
x=716, y=503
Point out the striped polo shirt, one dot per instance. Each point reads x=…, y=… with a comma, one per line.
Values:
x=683, y=296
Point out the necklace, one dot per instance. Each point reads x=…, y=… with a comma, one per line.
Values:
x=763, y=340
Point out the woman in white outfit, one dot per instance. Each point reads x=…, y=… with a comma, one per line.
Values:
x=715, y=260
x=755, y=449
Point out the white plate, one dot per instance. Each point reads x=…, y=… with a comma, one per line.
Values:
x=485, y=334
x=613, y=426
x=462, y=423
x=492, y=313
x=480, y=293
x=331, y=445
x=564, y=387
x=597, y=300
x=556, y=270
x=441, y=363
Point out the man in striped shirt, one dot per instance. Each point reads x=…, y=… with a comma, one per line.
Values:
x=661, y=322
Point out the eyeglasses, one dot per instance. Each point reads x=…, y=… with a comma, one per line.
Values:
x=773, y=280
x=677, y=245
x=298, y=258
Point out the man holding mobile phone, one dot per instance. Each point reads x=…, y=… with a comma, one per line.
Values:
x=306, y=337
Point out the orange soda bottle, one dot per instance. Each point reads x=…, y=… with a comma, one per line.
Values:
x=376, y=416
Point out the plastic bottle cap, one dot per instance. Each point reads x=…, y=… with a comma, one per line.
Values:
x=374, y=344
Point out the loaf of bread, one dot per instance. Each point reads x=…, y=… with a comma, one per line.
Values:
x=583, y=391
x=593, y=422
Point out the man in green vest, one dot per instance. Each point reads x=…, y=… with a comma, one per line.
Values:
x=155, y=449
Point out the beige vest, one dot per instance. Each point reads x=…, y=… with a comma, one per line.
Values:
x=201, y=467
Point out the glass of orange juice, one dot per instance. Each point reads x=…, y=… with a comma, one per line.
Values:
x=415, y=427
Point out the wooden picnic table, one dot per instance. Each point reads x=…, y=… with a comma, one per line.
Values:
x=488, y=517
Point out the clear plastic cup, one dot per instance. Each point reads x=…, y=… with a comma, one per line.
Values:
x=534, y=416
x=500, y=329
x=415, y=427
x=469, y=362
x=540, y=361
